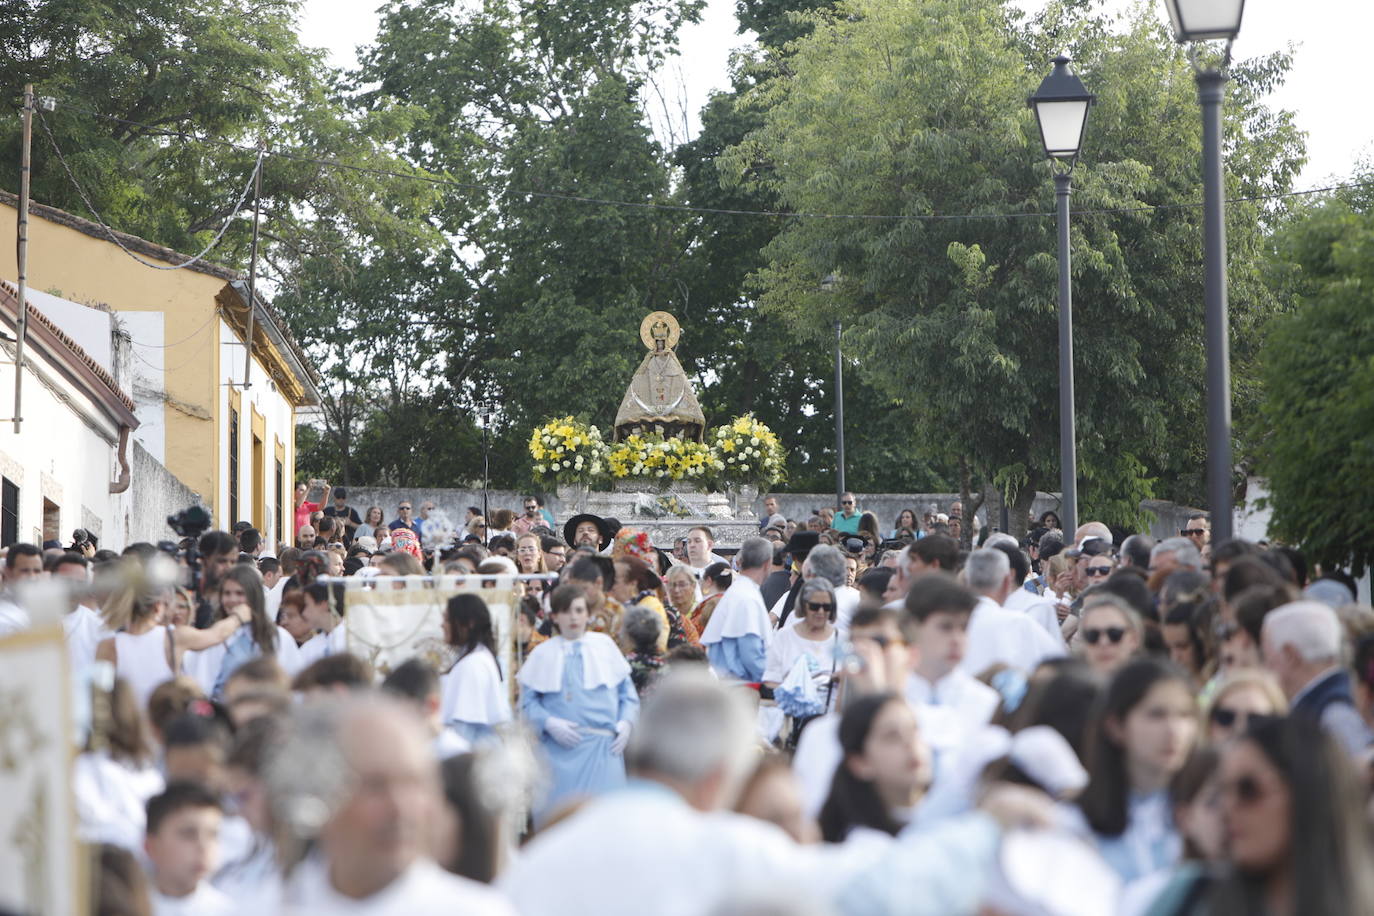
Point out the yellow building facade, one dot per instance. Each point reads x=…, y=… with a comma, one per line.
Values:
x=233, y=444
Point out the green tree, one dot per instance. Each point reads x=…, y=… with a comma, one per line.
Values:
x=1316, y=424
x=917, y=111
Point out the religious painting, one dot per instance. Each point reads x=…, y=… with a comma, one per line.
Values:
x=41, y=869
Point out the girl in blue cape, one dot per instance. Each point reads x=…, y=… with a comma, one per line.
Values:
x=577, y=694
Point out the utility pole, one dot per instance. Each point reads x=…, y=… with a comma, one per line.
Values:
x=22, y=256
x=253, y=266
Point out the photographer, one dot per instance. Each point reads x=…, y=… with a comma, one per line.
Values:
x=304, y=508
x=219, y=550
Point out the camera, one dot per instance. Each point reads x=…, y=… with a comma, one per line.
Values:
x=191, y=522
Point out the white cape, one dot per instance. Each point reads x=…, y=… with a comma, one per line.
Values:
x=472, y=690
x=739, y=613
x=602, y=664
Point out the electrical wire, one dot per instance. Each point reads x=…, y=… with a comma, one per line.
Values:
x=114, y=237
x=686, y=208
x=176, y=343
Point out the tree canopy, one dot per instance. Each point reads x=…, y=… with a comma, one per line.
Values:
x=1315, y=436
x=474, y=221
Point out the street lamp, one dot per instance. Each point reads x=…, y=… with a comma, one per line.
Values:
x=1061, y=110
x=1194, y=21
x=828, y=287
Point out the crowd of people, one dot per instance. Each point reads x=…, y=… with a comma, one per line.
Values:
x=830, y=717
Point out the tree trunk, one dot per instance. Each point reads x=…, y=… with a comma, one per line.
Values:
x=1020, y=509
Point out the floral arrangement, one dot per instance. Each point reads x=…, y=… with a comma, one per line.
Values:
x=653, y=458
x=566, y=450
x=748, y=452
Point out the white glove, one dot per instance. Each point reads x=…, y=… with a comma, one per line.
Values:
x=622, y=738
x=563, y=732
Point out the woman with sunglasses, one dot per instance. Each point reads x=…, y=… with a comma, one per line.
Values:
x=1110, y=633
x=1296, y=841
x=1142, y=732
x=815, y=636
x=1243, y=699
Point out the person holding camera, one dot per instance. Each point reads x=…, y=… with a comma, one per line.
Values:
x=304, y=507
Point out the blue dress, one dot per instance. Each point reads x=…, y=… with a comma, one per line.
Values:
x=590, y=767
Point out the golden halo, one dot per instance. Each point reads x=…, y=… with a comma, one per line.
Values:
x=659, y=326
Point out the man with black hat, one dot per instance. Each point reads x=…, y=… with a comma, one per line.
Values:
x=586, y=530
x=346, y=514
x=799, y=546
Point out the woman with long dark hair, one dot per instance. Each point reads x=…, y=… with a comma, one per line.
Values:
x=473, y=698
x=1293, y=829
x=885, y=770
x=906, y=525
x=242, y=587
x=1142, y=732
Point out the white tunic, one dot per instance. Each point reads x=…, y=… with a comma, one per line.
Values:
x=1009, y=637
x=422, y=890
x=623, y=854
x=472, y=691
x=1039, y=609
x=110, y=799
x=84, y=630
x=205, y=900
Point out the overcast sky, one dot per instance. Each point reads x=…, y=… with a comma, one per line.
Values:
x=1327, y=87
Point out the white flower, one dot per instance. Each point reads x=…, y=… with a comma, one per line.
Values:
x=578, y=463
x=539, y=469
x=744, y=467
x=754, y=440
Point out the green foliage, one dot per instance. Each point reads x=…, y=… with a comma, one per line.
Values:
x=1317, y=414
x=918, y=109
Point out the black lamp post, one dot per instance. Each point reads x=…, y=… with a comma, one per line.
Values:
x=1061, y=110
x=828, y=285
x=1195, y=21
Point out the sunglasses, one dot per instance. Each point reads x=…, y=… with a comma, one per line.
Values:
x=1192, y=532
x=1099, y=571
x=847, y=502
x=1114, y=635
x=1226, y=718
x=820, y=606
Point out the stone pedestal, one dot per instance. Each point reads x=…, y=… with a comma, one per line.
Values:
x=669, y=515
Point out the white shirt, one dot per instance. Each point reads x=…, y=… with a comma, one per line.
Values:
x=1011, y=638
x=622, y=854
x=815, y=760
x=205, y=900
x=84, y=629
x=110, y=799
x=423, y=889
x=13, y=618
x=950, y=710
x=789, y=645
x=1037, y=608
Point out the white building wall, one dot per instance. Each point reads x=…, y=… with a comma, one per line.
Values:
x=148, y=372
x=65, y=452
x=279, y=417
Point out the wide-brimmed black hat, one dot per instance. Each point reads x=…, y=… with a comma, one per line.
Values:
x=570, y=528
x=802, y=543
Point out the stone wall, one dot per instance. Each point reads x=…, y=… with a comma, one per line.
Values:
x=799, y=506
x=154, y=493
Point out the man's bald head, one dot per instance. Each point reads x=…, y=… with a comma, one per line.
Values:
x=1092, y=530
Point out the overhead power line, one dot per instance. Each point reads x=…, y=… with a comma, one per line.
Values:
x=679, y=208
x=114, y=236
